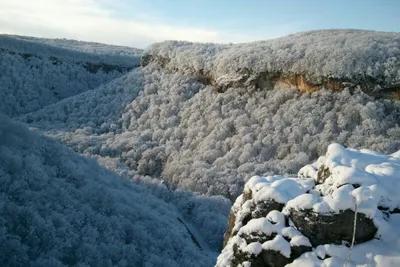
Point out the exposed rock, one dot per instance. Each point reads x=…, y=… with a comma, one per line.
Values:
x=265, y=241
x=307, y=62
x=261, y=209
x=333, y=228
x=302, y=82
x=229, y=228
x=232, y=220
x=316, y=223
x=323, y=174
x=271, y=258
x=258, y=210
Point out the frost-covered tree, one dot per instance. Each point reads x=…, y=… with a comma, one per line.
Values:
x=62, y=209
x=201, y=140
x=33, y=75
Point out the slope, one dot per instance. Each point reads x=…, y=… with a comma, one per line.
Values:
x=33, y=75
x=86, y=47
x=61, y=209
x=201, y=140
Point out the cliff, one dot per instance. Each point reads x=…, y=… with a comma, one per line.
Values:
x=308, y=61
x=347, y=196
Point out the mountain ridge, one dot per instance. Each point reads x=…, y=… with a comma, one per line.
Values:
x=307, y=61
x=191, y=130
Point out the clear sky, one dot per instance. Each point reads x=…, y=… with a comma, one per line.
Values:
x=138, y=23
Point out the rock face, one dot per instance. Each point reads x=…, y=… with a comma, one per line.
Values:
x=331, y=59
x=259, y=210
x=266, y=241
x=333, y=229
x=278, y=219
x=258, y=233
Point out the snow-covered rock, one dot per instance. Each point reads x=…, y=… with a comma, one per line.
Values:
x=318, y=213
x=334, y=59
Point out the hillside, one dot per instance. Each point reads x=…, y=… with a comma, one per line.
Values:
x=61, y=209
x=333, y=59
x=167, y=124
x=34, y=74
x=86, y=47
x=158, y=151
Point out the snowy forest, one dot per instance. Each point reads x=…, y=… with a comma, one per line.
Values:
x=106, y=162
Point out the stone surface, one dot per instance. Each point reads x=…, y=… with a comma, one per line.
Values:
x=333, y=228
x=302, y=82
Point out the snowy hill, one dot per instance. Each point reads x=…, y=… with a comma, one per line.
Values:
x=34, y=75
x=61, y=209
x=334, y=59
x=86, y=47
x=194, y=123
x=162, y=124
x=308, y=220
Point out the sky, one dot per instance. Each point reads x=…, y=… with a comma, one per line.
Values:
x=138, y=23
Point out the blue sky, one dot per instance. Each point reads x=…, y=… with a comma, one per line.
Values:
x=259, y=15
x=140, y=22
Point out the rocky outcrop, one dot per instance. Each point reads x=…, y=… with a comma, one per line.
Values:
x=302, y=82
x=333, y=228
x=267, y=241
x=278, y=219
x=307, y=62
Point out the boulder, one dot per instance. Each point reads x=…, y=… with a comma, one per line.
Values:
x=333, y=228
x=258, y=210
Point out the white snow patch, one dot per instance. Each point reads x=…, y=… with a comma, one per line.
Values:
x=278, y=244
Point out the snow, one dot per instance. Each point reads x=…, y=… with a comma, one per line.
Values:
x=86, y=47
x=261, y=225
x=376, y=176
x=69, y=51
x=372, y=253
x=158, y=123
x=148, y=123
x=278, y=244
x=272, y=224
x=299, y=240
x=357, y=179
x=242, y=213
x=277, y=188
x=302, y=202
x=245, y=264
x=60, y=209
x=34, y=75
x=276, y=217
x=328, y=53
x=253, y=248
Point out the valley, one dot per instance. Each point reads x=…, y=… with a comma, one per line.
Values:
x=150, y=148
